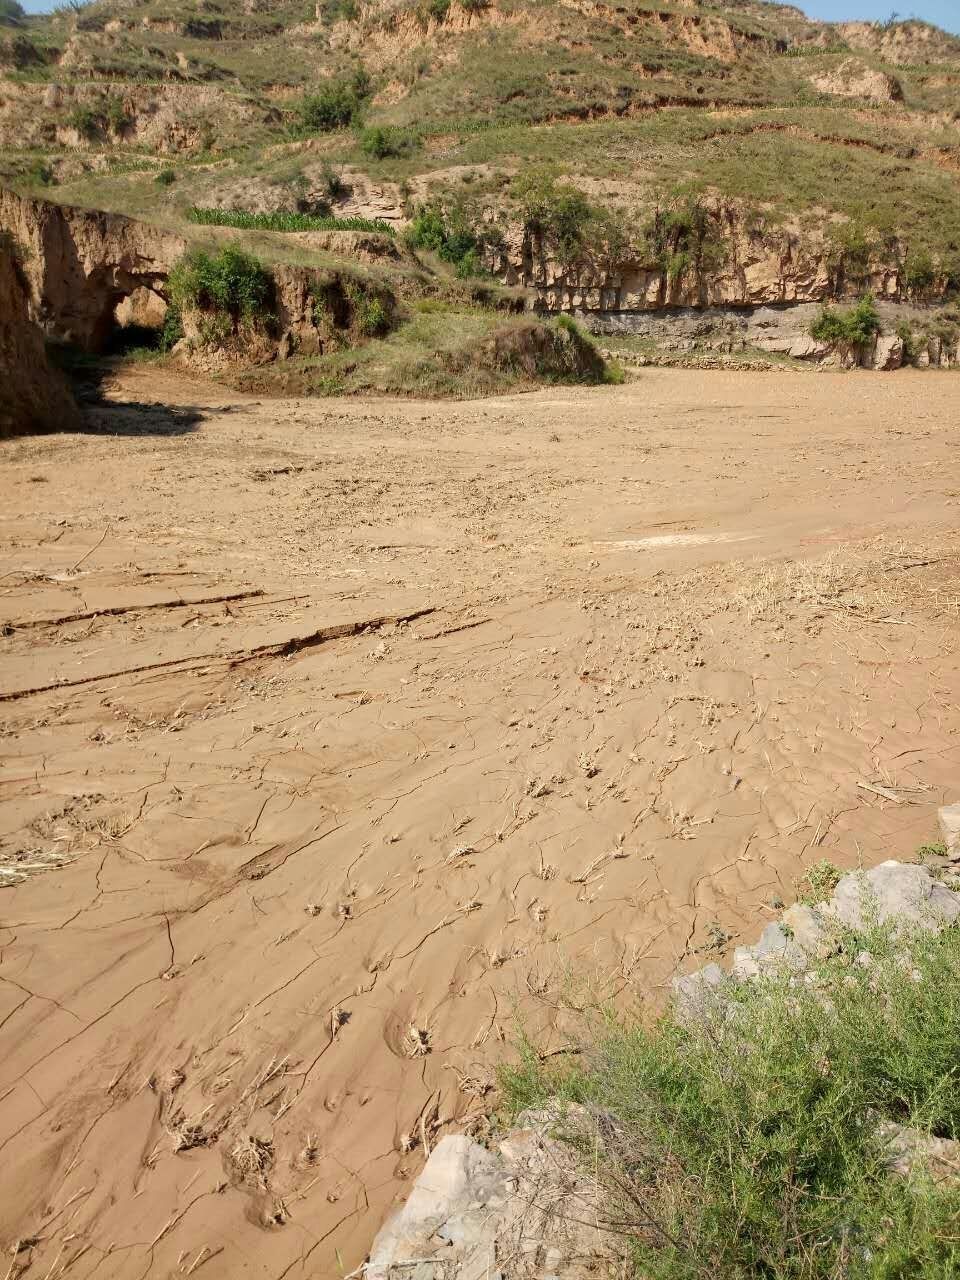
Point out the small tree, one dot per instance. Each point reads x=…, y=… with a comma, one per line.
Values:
x=336, y=105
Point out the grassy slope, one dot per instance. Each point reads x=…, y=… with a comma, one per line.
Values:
x=493, y=88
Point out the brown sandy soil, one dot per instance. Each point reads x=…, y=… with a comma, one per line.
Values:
x=338, y=737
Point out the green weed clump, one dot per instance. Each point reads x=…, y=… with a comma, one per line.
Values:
x=852, y=327
x=231, y=285
x=386, y=141
x=746, y=1144
x=284, y=221
x=818, y=882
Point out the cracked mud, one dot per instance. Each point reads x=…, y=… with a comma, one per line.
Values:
x=341, y=739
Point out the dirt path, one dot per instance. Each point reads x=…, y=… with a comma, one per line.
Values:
x=339, y=737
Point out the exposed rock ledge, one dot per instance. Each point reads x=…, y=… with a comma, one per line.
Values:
x=527, y=1211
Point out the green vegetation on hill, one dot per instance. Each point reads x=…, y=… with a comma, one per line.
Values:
x=284, y=221
x=748, y=1144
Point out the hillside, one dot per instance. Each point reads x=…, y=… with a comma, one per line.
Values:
x=602, y=160
x=845, y=132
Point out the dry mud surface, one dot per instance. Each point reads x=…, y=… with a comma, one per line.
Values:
x=339, y=737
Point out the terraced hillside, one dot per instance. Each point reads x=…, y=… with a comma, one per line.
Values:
x=747, y=99
x=606, y=159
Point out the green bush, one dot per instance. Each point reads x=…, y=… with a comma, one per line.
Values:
x=335, y=105
x=385, y=140
x=853, y=327
x=85, y=120
x=340, y=11
x=744, y=1145
x=371, y=317
x=11, y=12
x=853, y=244
x=38, y=174
x=435, y=9
x=451, y=235
x=166, y=177
x=229, y=284
x=919, y=271
x=682, y=237
x=172, y=330
x=554, y=210
x=116, y=115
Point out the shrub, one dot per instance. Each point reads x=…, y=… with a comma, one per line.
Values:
x=384, y=140
x=38, y=174
x=340, y=11
x=116, y=115
x=229, y=284
x=172, y=330
x=906, y=335
x=852, y=245
x=331, y=182
x=85, y=120
x=435, y=9
x=11, y=12
x=853, y=327
x=744, y=1145
x=919, y=271
x=336, y=105
x=684, y=237
x=555, y=210
x=371, y=317
x=474, y=6
x=166, y=177
x=451, y=235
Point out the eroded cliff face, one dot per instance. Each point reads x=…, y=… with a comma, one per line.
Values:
x=80, y=264
x=753, y=264
x=33, y=395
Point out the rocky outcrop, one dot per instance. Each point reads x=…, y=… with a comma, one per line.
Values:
x=33, y=395
x=522, y=1210
x=753, y=264
x=80, y=264
x=853, y=78
x=699, y=333
x=902, y=43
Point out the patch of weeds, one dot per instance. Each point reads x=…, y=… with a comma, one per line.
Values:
x=284, y=221
x=746, y=1144
x=385, y=141
x=685, y=237
x=933, y=849
x=818, y=882
x=166, y=178
x=435, y=9
x=852, y=327
x=919, y=271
